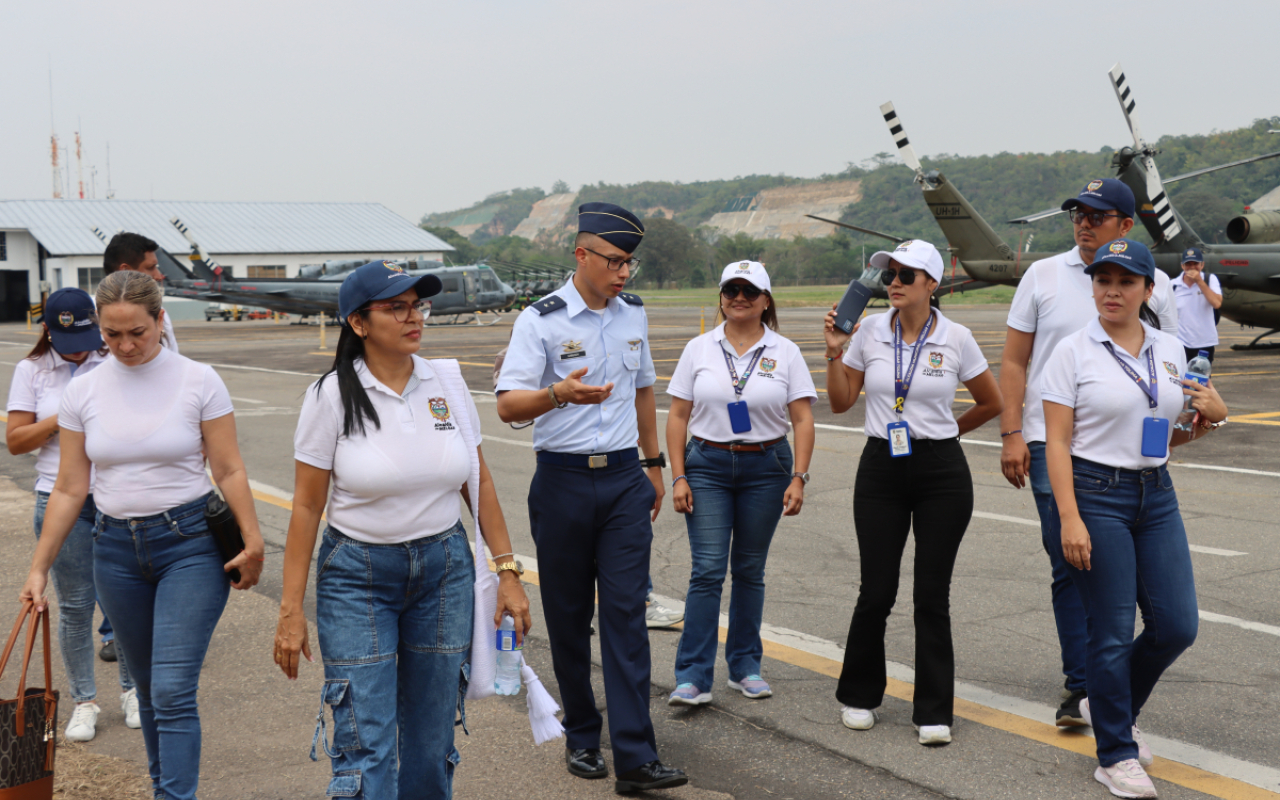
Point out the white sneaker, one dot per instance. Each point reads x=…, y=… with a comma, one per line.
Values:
x=656, y=615
x=129, y=705
x=858, y=719
x=84, y=723
x=934, y=734
x=1085, y=713
x=1126, y=779
x=1145, y=758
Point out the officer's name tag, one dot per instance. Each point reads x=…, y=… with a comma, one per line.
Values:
x=899, y=439
x=739, y=417
x=574, y=354
x=1155, y=437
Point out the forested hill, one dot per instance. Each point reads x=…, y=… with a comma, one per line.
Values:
x=1000, y=187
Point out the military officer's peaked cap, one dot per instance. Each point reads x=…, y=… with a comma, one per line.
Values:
x=616, y=225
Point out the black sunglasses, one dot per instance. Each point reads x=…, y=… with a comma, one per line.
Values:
x=1096, y=218
x=907, y=275
x=731, y=290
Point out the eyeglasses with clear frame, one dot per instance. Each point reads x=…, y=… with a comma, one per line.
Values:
x=616, y=264
x=402, y=311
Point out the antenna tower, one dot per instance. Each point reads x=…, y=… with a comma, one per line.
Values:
x=79, y=166
x=111, y=193
x=53, y=142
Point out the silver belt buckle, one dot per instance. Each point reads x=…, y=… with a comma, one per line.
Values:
x=596, y=462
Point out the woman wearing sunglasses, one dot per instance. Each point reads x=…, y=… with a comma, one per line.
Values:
x=912, y=476
x=397, y=438
x=1111, y=393
x=735, y=391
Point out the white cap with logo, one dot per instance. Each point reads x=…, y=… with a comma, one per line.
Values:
x=914, y=253
x=750, y=271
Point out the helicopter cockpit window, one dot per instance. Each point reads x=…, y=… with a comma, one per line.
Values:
x=451, y=283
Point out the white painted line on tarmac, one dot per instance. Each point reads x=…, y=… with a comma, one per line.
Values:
x=15, y=344
x=519, y=442
x=1215, y=551
x=1247, y=625
x=264, y=369
x=233, y=397
x=1035, y=523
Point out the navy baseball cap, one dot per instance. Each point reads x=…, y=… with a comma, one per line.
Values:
x=1193, y=255
x=379, y=280
x=1133, y=256
x=1104, y=194
x=69, y=313
x=616, y=225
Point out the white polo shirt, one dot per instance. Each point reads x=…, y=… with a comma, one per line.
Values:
x=37, y=387
x=1109, y=407
x=397, y=482
x=1196, y=327
x=142, y=431
x=779, y=377
x=1054, y=299
x=951, y=357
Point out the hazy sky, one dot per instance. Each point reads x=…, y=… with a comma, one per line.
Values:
x=426, y=106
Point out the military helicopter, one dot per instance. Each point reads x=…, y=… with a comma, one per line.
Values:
x=468, y=290
x=1249, y=272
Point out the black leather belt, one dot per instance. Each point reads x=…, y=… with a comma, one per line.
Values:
x=582, y=460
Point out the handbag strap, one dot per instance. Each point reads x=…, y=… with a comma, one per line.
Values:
x=27, y=608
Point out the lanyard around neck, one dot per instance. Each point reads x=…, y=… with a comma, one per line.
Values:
x=740, y=383
x=901, y=383
x=1151, y=390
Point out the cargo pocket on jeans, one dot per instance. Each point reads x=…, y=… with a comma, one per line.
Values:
x=337, y=695
x=464, y=681
x=451, y=762
x=344, y=784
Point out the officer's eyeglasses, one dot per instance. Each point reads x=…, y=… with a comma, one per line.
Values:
x=401, y=310
x=731, y=290
x=1096, y=218
x=616, y=264
x=907, y=275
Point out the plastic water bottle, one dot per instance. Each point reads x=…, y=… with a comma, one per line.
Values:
x=508, y=675
x=1198, y=370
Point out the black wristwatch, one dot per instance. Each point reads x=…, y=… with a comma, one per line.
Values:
x=660, y=461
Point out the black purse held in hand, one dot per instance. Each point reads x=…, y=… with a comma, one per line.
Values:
x=226, y=531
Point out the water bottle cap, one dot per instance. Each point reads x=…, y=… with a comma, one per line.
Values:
x=1204, y=353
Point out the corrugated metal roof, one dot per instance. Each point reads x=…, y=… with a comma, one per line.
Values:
x=65, y=227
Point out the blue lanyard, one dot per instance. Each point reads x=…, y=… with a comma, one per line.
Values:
x=1152, y=391
x=740, y=383
x=902, y=385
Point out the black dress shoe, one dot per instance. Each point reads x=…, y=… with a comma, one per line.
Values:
x=587, y=763
x=649, y=776
x=108, y=651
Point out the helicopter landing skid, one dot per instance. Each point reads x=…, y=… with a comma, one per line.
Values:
x=1259, y=345
x=463, y=319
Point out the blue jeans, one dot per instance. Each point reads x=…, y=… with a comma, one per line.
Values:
x=1068, y=610
x=395, y=625
x=161, y=580
x=737, y=501
x=1140, y=558
x=72, y=577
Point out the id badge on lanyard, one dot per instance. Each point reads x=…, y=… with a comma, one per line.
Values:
x=1155, y=430
x=899, y=433
x=739, y=415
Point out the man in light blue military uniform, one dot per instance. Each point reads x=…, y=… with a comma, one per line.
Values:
x=579, y=364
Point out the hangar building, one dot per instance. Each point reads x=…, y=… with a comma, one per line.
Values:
x=48, y=244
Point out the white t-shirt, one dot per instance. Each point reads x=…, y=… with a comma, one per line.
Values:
x=1054, y=299
x=1196, y=327
x=1109, y=406
x=951, y=357
x=37, y=387
x=141, y=430
x=779, y=377
x=397, y=482
x=169, y=339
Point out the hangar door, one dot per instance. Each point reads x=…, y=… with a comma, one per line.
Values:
x=13, y=295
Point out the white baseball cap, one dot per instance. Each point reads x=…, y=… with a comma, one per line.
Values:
x=914, y=253
x=750, y=271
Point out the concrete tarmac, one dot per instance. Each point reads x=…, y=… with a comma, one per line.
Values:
x=1213, y=711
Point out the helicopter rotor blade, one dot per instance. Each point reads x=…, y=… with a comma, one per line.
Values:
x=895, y=239
x=905, y=149
x=1155, y=187
x=1206, y=170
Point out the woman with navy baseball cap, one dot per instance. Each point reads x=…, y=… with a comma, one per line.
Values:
x=70, y=346
x=1111, y=392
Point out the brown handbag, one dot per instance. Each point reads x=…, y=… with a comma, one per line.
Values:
x=29, y=722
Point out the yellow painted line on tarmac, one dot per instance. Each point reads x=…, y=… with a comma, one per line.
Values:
x=1258, y=419
x=1172, y=771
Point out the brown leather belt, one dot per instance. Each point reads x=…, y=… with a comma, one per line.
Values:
x=737, y=447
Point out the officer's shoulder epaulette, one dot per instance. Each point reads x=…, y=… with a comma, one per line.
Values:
x=548, y=305
x=631, y=299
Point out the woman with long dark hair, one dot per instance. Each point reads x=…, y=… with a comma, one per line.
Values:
x=912, y=477
x=139, y=428
x=1111, y=393
x=397, y=438
x=736, y=390
x=70, y=346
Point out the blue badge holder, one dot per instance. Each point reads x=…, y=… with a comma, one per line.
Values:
x=739, y=417
x=1155, y=437
x=899, y=439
